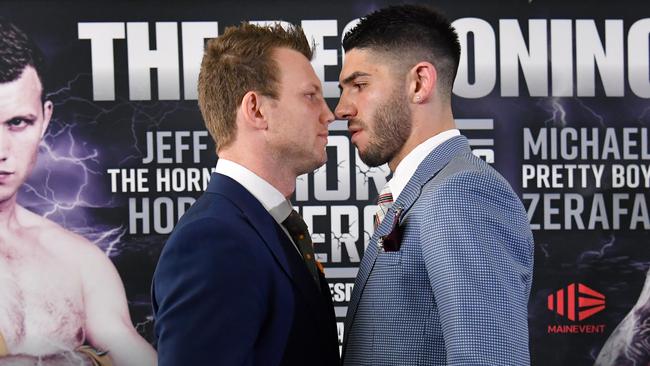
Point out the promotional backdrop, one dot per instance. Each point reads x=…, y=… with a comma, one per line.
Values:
x=555, y=96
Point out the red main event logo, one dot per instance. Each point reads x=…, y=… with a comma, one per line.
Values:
x=576, y=302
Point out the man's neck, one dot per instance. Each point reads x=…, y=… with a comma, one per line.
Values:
x=7, y=214
x=277, y=175
x=424, y=127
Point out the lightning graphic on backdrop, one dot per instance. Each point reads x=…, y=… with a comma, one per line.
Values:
x=68, y=183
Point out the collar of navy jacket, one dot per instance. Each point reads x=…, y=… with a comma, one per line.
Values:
x=430, y=166
x=272, y=235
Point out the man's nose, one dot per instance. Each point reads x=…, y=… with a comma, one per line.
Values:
x=345, y=109
x=327, y=116
x=4, y=144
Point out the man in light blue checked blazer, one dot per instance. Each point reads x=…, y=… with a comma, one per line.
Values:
x=446, y=277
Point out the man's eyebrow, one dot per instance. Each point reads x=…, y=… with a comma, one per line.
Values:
x=26, y=116
x=316, y=86
x=351, y=78
x=311, y=87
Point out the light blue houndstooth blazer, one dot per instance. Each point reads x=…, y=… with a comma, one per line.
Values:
x=456, y=293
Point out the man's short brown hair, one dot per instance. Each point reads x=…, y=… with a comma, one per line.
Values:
x=237, y=62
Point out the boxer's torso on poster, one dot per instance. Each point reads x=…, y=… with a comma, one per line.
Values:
x=41, y=301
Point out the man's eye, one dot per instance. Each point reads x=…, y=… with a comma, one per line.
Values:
x=359, y=86
x=18, y=123
x=313, y=96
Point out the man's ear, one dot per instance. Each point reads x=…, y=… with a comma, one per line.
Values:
x=423, y=79
x=253, y=110
x=48, y=108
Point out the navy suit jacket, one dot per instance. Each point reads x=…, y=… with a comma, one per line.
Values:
x=456, y=292
x=231, y=289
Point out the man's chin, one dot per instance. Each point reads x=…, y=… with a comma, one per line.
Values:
x=371, y=160
x=6, y=195
x=308, y=168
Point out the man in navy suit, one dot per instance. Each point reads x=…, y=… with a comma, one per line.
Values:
x=234, y=285
x=446, y=277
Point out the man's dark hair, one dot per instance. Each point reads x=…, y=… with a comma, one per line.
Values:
x=17, y=51
x=410, y=34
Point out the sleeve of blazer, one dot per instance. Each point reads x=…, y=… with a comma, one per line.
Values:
x=210, y=286
x=477, y=247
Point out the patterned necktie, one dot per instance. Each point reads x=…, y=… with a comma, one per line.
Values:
x=384, y=202
x=300, y=235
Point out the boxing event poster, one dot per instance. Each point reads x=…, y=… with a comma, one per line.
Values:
x=554, y=95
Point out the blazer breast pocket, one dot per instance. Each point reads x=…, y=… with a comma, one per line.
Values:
x=385, y=258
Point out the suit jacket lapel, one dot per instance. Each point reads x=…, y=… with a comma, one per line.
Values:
x=270, y=232
x=430, y=166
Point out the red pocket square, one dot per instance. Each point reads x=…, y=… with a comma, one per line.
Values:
x=393, y=241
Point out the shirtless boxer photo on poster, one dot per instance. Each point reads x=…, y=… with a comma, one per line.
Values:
x=61, y=300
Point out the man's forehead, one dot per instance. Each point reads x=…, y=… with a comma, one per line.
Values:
x=21, y=96
x=296, y=69
x=283, y=54
x=27, y=81
x=356, y=57
x=361, y=62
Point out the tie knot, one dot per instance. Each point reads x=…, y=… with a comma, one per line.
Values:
x=295, y=225
x=384, y=202
x=385, y=196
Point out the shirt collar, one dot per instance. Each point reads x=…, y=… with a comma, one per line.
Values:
x=406, y=168
x=273, y=201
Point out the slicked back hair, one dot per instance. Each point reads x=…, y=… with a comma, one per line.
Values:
x=239, y=61
x=17, y=51
x=409, y=34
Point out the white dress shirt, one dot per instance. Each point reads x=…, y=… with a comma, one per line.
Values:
x=273, y=201
x=407, y=167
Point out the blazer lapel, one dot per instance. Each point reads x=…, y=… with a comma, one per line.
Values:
x=430, y=166
x=270, y=232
